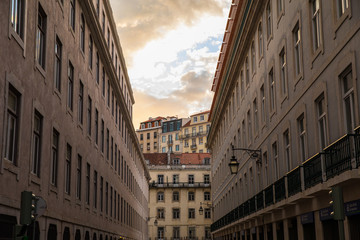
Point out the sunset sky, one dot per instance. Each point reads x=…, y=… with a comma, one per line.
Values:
x=171, y=48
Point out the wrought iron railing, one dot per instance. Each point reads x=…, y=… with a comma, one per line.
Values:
x=269, y=195
x=294, y=181
x=338, y=157
x=357, y=146
x=260, y=200
x=280, y=191
x=312, y=171
x=179, y=185
x=252, y=205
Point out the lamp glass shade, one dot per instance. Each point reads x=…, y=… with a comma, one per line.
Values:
x=234, y=165
x=201, y=210
x=155, y=222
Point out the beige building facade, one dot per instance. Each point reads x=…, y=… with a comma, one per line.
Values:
x=149, y=135
x=194, y=133
x=180, y=185
x=66, y=123
x=170, y=134
x=287, y=94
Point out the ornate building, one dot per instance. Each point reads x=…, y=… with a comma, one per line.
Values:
x=179, y=196
x=287, y=98
x=66, y=123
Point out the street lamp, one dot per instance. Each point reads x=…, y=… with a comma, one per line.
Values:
x=201, y=209
x=155, y=222
x=253, y=153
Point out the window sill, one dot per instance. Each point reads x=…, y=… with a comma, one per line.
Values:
x=339, y=21
x=10, y=167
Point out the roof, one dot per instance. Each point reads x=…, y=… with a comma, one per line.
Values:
x=185, y=158
x=153, y=119
x=208, y=111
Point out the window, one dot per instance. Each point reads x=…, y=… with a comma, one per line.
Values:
x=176, y=178
x=97, y=68
x=175, y=196
x=195, y=119
x=202, y=118
x=108, y=94
x=253, y=59
x=68, y=169
x=58, y=59
x=316, y=24
x=163, y=139
x=247, y=73
x=160, y=233
x=103, y=82
x=191, y=179
x=112, y=151
x=249, y=127
x=98, y=7
x=81, y=103
x=18, y=17
x=103, y=22
x=321, y=117
x=206, y=196
x=160, y=179
x=283, y=80
x=191, y=196
x=108, y=37
x=268, y=20
x=346, y=79
x=41, y=37
x=280, y=5
x=207, y=233
x=78, y=177
x=101, y=193
x=262, y=97
x=177, y=148
x=160, y=213
x=342, y=6
x=96, y=126
x=192, y=233
x=260, y=40
x=102, y=135
x=207, y=161
x=272, y=90
x=163, y=150
x=155, y=135
x=13, y=111
x=176, y=213
x=35, y=168
x=148, y=136
x=70, y=86
x=206, y=178
x=276, y=160
x=90, y=52
x=141, y=136
x=89, y=111
x=176, y=161
x=160, y=196
x=191, y=213
x=297, y=49
x=87, y=189
x=207, y=213
x=302, y=137
x=287, y=149
x=256, y=117
x=107, y=143
x=82, y=33
x=176, y=233
x=72, y=14
x=54, y=158
x=106, y=198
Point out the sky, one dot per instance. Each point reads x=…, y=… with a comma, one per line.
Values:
x=171, y=48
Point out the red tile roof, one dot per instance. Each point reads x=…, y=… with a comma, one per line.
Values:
x=200, y=113
x=153, y=119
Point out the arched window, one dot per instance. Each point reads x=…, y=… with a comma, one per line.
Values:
x=78, y=235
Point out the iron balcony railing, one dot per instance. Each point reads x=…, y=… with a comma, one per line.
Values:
x=340, y=156
x=294, y=181
x=193, y=146
x=312, y=171
x=179, y=185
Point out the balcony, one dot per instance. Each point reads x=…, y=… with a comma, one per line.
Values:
x=170, y=142
x=180, y=185
x=341, y=156
x=193, y=146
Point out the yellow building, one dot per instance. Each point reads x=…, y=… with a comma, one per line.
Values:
x=194, y=133
x=149, y=134
x=179, y=188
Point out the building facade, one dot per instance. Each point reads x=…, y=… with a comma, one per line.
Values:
x=180, y=184
x=287, y=94
x=149, y=135
x=66, y=123
x=194, y=133
x=170, y=134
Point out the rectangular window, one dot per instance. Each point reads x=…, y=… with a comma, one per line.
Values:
x=302, y=137
x=253, y=60
x=112, y=151
x=280, y=5
x=176, y=233
x=68, y=169
x=81, y=103
x=90, y=52
x=54, y=158
x=107, y=143
x=321, y=117
x=191, y=213
x=35, y=168
x=95, y=188
x=96, y=126
x=206, y=178
x=82, y=33
x=247, y=71
x=256, y=117
x=287, y=150
x=191, y=196
x=342, y=6
x=206, y=196
x=160, y=179
x=107, y=198
x=176, y=213
x=272, y=90
x=103, y=22
x=97, y=68
x=89, y=113
x=58, y=60
x=191, y=179
x=108, y=94
x=249, y=127
x=283, y=79
x=70, y=86
x=207, y=213
x=87, y=189
x=18, y=17
x=268, y=20
x=316, y=24
x=41, y=37
x=72, y=14
x=101, y=193
x=102, y=135
x=347, y=85
x=161, y=213
x=12, y=121
x=260, y=40
x=177, y=148
x=103, y=82
x=78, y=177
x=242, y=82
x=276, y=160
x=297, y=49
x=262, y=97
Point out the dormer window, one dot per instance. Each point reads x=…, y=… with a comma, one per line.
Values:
x=142, y=125
x=149, y=125
x=156, y=124
x=206, y=161
x=176, y=161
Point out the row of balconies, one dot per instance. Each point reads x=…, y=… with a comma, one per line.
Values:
x=340, y=156
x=192, y=135
x=179, y=185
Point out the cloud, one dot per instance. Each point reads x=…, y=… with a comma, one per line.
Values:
x=138, y=21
